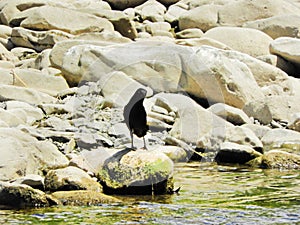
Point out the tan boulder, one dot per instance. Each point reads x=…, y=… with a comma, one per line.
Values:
x=197, y=42
x=35, y=79
x=246, y=40
x=71, y=21
x=204, y=18
x=229, y=113
x=277, y=26
x=37, y=40
x=151, y=10
x=108, y=36
x=287, y=48
x=70, y=178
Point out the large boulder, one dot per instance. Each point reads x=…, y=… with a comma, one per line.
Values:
x=23, y=154
x=137, y=172
x=277, y=26
x=207, y=75
x=246, y=40
x=204, y=18
x=193, y=121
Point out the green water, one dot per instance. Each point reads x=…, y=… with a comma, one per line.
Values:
x=210, y=194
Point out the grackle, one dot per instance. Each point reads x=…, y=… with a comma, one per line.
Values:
x=135, y=115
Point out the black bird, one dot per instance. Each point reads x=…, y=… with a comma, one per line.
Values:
x=135, y=115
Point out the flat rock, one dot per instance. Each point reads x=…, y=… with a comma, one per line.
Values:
x=29, y=95
x=35, y=79
x=246, y=40
x=83, y=198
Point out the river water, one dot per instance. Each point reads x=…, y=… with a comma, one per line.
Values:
x=210, y=194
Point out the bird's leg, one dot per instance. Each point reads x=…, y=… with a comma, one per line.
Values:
x=145, y=147
x=131, y=135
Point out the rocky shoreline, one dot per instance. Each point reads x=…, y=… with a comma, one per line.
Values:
x=222, y=81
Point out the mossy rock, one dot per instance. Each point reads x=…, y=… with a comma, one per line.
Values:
x=137, y=172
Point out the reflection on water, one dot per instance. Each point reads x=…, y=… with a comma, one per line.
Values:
x=210, y=194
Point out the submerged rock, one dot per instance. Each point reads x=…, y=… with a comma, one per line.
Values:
x=137, y=172
x=83, y=198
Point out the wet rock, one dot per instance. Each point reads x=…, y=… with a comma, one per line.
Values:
x=137, y=172
x=22, y=154
x=255, y=42
x=277, y=26
x=229, y=113
x=235, y=153
x=83, y=198
x=278, y=159
x=74, y=22
x=70, y=178
x=37, y=40
x=22, y=196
